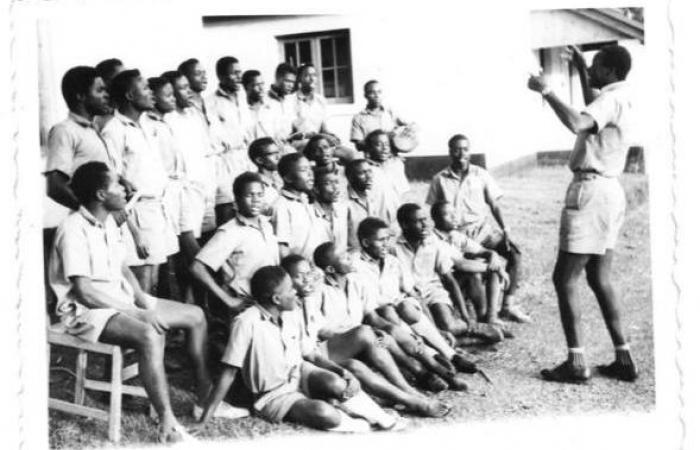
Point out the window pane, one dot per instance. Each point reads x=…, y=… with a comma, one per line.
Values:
x=290, y=53
x=329, y=83
x=305, y=52
x=342, y=51
x=327, y=52
x=344, y=83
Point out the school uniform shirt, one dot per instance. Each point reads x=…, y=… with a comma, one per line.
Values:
x=386, y=281
x=343, y=308
x=231, y=112
x=605, y=151
x=269, y=353
x=162, y=134
x=266, y=120
x=293, y=220
x=389, y=184
x=239, y=248
x=72, y=143
x=425, y=264
x=367, y=121
x=359, y=208
x=287, y=106
x=272, y=185
x=86, y=247
x=332, y=225
x=190, y=132
x=310, y=111
x=459, y=242
x=467, y=195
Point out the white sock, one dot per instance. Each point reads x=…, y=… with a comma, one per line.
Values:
x=362, y=405
x=349, y=425
x=428, y=331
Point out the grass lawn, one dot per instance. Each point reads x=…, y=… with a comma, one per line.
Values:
x=532, y=205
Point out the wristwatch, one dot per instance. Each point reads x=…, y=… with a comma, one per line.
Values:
x=546, y=91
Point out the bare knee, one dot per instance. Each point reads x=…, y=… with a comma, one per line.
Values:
x=408, y=313
x=354, y=366
x=365, y=336
x=149, y=339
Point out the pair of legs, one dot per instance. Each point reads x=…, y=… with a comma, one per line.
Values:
x=147, y=276
x=149, y=344
x=484, y=290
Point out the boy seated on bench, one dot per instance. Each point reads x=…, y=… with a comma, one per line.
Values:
x=482, y=272
x=289, y=379
x=99, y=299
x=347, y=341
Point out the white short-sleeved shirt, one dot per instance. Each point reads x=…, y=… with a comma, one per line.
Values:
x=268, y=353
x=170, y=153
x=271, y=191
x=389, y=184
x=86, y=247
x=387, y=283
x=310, y=112
x=332, y=225
x=239, y=248
x=72, y=143
x=460, y=242
x=605, y=151
x=193, y=138
x=293, y=220
x=138, y=156
x=359, y=208
x=287, y=105
x=231, y=112
x=427, y=263
x=367, y=121
x=265, y=120
x=467, y=195
x=344, y=308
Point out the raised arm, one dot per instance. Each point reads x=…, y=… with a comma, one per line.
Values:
x=572, y=119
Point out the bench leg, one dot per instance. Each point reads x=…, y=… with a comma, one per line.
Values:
x=80, y=371
x=115, y=400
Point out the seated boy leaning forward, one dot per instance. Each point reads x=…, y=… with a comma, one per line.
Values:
x=265, y=154
x=99, y=299
x=333, y=314
x=290, y=380
x=428, y=264
x=383, y=272
x=482, y=272
x=239, y=247
x=475, y=194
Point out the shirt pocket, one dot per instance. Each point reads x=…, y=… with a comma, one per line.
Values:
x=578, y=195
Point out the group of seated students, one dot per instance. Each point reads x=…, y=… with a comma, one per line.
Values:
x=330, y=286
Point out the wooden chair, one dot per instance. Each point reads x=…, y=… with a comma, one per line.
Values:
x=115, y=386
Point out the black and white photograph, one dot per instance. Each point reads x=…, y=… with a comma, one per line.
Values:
x=346, y=225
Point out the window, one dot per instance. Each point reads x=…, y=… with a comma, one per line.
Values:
x=329, y=52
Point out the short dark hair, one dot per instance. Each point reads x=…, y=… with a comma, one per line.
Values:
x=373, y=135
x=287, y=163
x=88, y=179
x=249, y=76
x=77, y=80
x=121, y=84
x=107, y=69
x=436, y=208
x=244, y=180
x=369, y=227
x=187, y=66
x=223, y=63
x=283, y=69
x=352, y=167
x=309, y=148
x=290, y=261
x=457, y=137
x=405, y=211
x=157, y=83
x=172, y=76
x=265, y=280
x=368, y=84
x=324, y=254
x=617, y=58
x=258, y=146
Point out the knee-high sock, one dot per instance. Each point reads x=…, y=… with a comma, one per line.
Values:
x=428, y=331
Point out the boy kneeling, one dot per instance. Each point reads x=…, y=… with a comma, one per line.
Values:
x=267, y=345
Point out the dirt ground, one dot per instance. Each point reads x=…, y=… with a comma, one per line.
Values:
x=532, y=204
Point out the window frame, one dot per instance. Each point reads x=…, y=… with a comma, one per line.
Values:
x=315, y=41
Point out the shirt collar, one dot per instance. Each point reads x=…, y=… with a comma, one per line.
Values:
x=297, y=197
x=323, y=212
x=254, y=222
x=87, y=215
x=265, y=314
x=155, y=116
x=125, y=120
x=442, y=235
x=613, y=86
x=80, y=120
x=449, y=173
x=229, y=95
x=370, y=112
x=274, y=93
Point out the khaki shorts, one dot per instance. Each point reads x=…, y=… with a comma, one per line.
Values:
x=275, y=404
x=594, y=209
x=434, y=295
x=156, y=230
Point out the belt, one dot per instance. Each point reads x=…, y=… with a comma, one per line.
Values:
x=586, y=174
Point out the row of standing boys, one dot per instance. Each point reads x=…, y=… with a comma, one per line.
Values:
x=246, y=198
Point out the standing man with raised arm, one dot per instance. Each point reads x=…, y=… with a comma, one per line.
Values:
x=594, y=206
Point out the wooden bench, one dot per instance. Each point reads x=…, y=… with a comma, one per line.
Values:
x=114, y=386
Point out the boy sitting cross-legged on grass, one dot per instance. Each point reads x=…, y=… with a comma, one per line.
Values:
x=288, y=378
x=383, y=272
x=99, y=299
x=481, y=270
x=345, y=340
